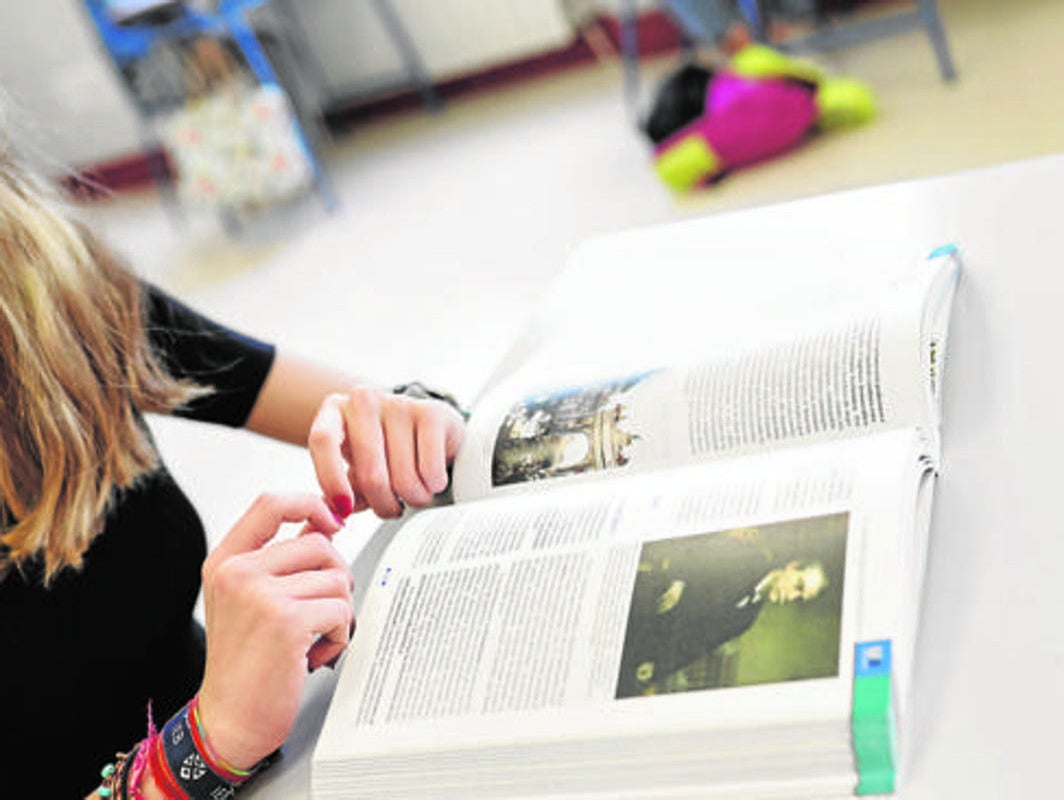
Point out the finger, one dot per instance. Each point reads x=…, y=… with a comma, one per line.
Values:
x=431, y=455
x=455, y=433
x=330, y=617
x=309, y=552
x=309, y=528
x=269, y=511
x=326, y=445
x=318, y=583
x=360, y=501
x=362, y=414
x=324, y=651
x=401, y=449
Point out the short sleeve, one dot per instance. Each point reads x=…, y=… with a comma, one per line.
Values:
x=192, y=347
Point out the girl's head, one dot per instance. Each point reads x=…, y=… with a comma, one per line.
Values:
x=75, y=369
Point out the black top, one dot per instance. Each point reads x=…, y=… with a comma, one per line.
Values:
x=80, y=660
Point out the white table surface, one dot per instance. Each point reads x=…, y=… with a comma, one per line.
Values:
x=988, y=711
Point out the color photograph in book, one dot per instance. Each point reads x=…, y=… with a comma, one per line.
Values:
x=736, y=607
x=567, y=432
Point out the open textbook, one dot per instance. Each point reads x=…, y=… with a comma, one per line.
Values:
x=686, y=576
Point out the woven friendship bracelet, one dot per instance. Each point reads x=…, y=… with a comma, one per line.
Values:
x=188, y=768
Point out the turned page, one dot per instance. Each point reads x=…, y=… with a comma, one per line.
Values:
x=834, y=361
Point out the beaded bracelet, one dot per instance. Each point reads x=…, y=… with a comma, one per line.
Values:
x=116, y=782
x=121, y=780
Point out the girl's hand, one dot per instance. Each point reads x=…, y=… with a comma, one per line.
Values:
x=374, y=449
x=273, y=611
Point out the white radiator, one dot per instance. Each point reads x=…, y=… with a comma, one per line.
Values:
x=453, y=37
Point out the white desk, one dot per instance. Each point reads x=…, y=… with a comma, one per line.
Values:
x=989, y=686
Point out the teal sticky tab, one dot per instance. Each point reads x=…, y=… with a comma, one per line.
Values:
x=877, y=782
x=872, y=725
x=944, y=250
x=871, y=699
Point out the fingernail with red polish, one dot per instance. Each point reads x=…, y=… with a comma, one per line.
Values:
x=343, y=505
x=331, y=663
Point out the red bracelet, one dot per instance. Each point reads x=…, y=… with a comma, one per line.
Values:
x=160, y=770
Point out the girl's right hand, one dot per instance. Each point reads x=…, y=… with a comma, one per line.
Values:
x=375, y=449
x=273, y=612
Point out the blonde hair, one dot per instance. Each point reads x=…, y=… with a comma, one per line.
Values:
x=75, y=369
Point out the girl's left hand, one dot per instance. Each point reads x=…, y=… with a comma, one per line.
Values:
x=374, y=449
x=274, y=611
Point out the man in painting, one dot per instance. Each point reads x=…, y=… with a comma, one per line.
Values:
x=700, y=593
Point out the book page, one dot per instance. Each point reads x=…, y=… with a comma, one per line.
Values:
x=729, y=592
x=581, y=405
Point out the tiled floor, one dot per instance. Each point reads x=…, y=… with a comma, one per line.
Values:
x=452, y=224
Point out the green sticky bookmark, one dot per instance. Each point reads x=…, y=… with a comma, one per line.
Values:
x=875, y=741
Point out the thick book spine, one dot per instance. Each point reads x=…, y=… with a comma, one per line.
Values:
x=873, y=726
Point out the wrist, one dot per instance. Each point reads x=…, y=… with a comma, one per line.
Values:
x=232, y=767
x=224, y=745
x=180, y=763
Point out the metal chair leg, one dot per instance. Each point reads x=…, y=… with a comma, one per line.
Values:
x=629, y=35
x=754, y=12
x=415, y=67
x=160, y=176
x=936, y=32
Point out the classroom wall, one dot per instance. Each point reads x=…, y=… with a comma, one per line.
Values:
x=59, y=89
x=453, y=36
x=59, y=83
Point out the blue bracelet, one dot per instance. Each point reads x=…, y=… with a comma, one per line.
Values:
x=190, y=769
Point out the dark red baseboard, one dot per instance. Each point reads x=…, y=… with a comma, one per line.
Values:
x=656, y=32
x=135, y=171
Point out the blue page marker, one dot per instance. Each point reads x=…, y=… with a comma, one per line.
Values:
x=944, y=250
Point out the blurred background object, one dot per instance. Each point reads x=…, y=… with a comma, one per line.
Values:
x=793, y=26
x=232, y=93
x=761, y=104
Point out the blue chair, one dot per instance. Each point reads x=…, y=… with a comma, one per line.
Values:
x=156, y=32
